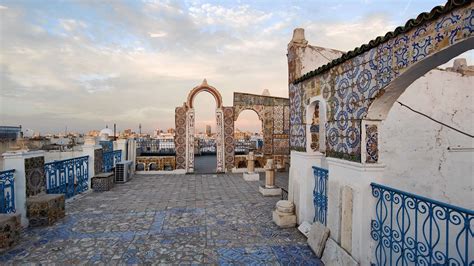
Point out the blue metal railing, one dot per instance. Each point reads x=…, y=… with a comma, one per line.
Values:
x=7, y=191
x=415, y=230
x=320, y=196
x=110, y=159
x=69, y=177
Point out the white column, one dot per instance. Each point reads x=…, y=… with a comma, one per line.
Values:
x=16, y=160
x=88, y=149
x=301, y=183
x=132, y=152
x=122, y=145
x=357, y=177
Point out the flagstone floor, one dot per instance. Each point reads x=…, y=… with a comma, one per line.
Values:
x=169, y=219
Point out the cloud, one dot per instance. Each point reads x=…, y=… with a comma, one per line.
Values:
x=91, y=63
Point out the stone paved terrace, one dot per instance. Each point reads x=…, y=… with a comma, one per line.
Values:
x=185, y=219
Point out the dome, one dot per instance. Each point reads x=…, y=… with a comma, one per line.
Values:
x=107, y=131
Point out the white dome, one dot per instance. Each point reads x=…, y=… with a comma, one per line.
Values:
x=107, y=131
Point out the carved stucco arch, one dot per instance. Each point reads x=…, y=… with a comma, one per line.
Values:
x=238, y=110
x=190, y=127
x=207, y=88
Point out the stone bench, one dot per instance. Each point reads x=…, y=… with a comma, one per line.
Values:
x=45, y=209
x=10, y=227
x=103, y=182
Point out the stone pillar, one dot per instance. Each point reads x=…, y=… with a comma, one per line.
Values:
x=122, y=145
x=250, y=175
x=88, y=149
x=16, y=160
x=250, y=162
x=284, y=215
x=270, y=189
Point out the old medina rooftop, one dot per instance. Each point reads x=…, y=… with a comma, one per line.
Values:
x=368, y=161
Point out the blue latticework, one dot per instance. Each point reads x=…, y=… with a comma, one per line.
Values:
x=320, y=197
x=107, y=145
x=7, y=191
x=69, y=177
x=110, y=159
x=414, y=230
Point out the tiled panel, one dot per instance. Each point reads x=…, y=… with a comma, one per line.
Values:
x=229, y=136
x=180, y=137
x=35, y=178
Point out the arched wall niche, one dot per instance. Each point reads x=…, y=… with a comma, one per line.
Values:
x=316, y=124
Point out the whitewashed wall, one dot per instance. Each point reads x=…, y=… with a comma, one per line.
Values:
x=50, y=156
x=415, y=149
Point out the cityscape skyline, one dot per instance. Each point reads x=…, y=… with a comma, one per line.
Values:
x=129, y=63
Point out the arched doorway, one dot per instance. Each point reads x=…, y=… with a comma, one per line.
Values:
x=248, y=137
x=205, y=157
x=185, y=130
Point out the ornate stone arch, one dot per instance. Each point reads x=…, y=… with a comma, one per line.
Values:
x=184, y=139
x=258, y=109
x=207, y=88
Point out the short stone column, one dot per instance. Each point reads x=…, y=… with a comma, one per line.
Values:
x=16, y=160
x=284, y=214
x=270, y=189
x=250, y=175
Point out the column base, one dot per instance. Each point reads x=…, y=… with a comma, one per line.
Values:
x=251, y=177
x=284, y=220
x=268, y=192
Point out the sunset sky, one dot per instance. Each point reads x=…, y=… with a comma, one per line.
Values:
x=85, y=64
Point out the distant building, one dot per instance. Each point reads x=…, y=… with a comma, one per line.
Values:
x=208, y=130
x=10, y=132
x=171, y=131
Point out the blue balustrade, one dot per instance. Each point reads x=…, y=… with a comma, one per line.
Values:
x=7, y=191
x=69, y=177
x=415, y=230
x=110, y=159
x=320, y=196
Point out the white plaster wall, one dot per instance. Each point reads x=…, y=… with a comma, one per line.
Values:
x=50, y=156
x=313, y=57
x=301, y=183
x=415, y=149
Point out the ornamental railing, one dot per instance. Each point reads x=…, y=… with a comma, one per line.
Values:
x=69, y=177
x=415, y=230
x=7, y=191
x=320, y=196
x=110, y=158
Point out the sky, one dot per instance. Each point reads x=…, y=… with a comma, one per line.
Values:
x=87, y=64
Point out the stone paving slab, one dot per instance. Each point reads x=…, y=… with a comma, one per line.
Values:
x=172, y=219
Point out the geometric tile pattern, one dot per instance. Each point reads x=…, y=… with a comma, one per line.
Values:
x=164, y=219
x=229, y=137
x=35, y=178
x=350, y=87
x=180, y=137
x=371, y=143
